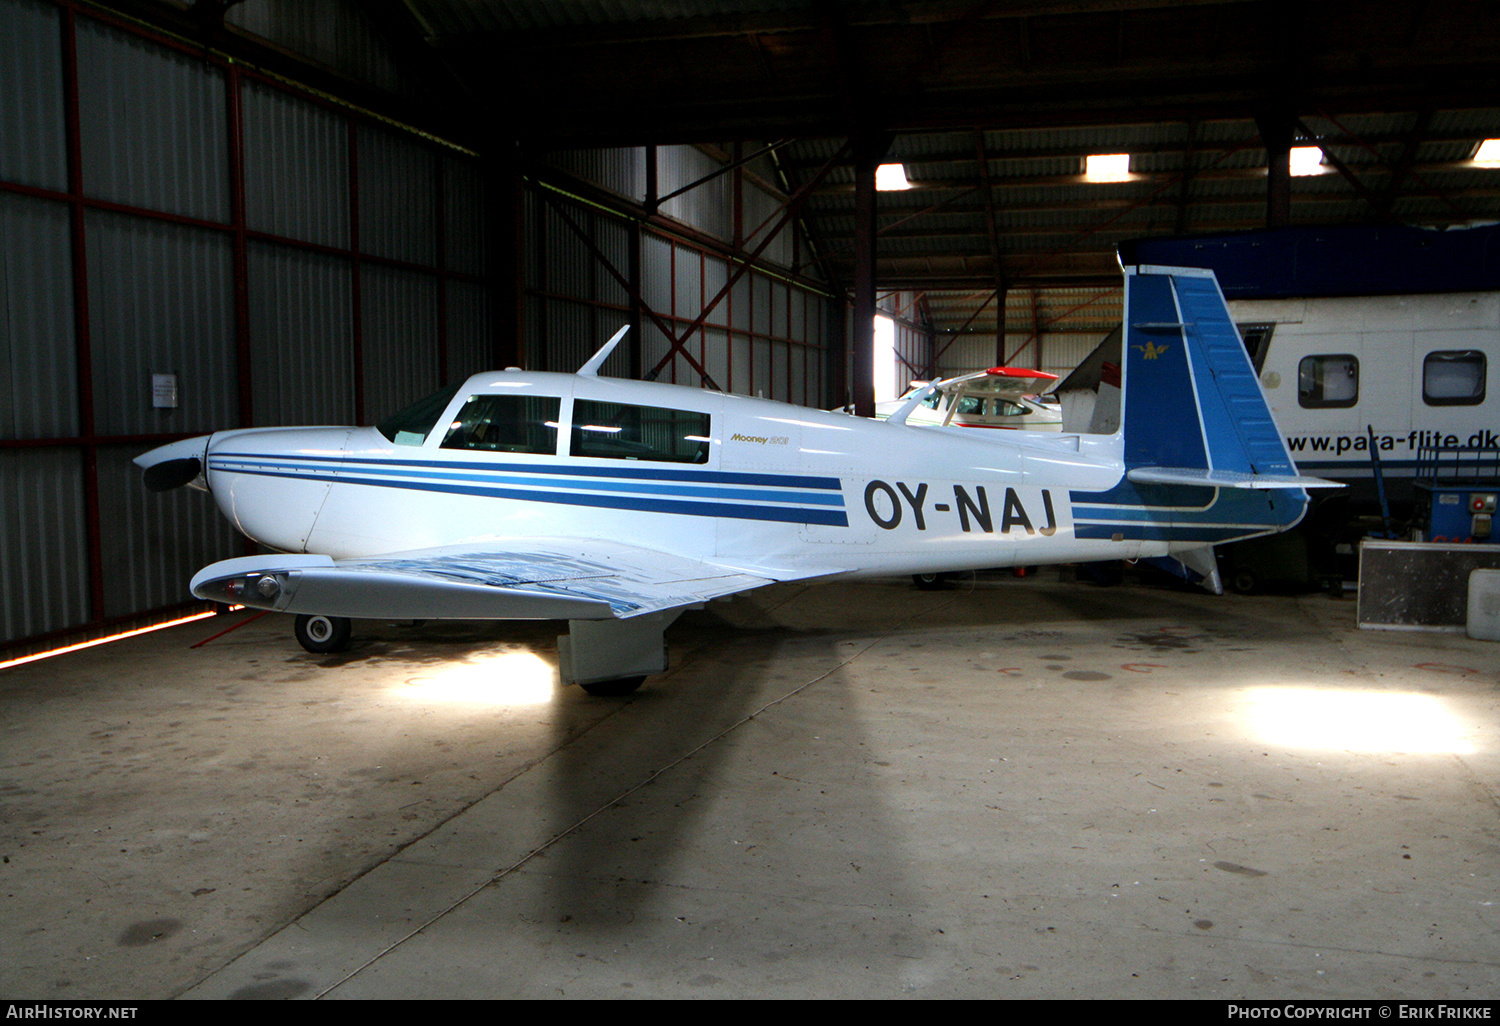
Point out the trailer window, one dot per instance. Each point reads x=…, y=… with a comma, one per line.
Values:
x=1453, y=378
x=618, y=431
x=506, y=423
x=1257, y=339
x=1324, y=381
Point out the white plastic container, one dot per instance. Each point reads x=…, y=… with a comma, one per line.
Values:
x=1484, y=605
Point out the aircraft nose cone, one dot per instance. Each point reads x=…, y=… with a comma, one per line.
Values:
x=174, y=464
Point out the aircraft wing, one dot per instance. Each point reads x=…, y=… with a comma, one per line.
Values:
x=562, y=580
x=1006, y=382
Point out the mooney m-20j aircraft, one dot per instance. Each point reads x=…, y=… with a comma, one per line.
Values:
x=617, y=504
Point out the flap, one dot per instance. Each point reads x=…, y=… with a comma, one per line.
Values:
x=1206, y=478
x=557, y=579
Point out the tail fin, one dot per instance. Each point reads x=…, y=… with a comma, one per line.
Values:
x=1193, y=410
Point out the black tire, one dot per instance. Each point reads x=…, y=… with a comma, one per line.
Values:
x=617, y=688
x=931, y=582
x=1244, y=582
x=322, y=634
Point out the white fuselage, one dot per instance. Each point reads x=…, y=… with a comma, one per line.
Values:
x=778, y=487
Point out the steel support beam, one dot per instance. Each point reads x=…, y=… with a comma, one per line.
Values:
x=1276, y=133
x=869, y=151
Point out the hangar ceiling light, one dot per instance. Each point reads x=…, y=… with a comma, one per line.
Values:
x=1307, y=160
x=1488, y=153
x=891, y=178
x=1107, y=167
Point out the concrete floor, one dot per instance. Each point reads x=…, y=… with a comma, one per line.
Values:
x=1015, y=788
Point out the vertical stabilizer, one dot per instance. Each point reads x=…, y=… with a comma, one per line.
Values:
x=1193, y=408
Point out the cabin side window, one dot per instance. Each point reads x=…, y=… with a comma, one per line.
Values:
x=412, y=425
x=506, y=423
x=1328, y=381
x=1453, y=378
x=617, y=431
x=1006, y=408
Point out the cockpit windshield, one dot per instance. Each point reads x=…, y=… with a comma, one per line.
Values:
x=412, y=425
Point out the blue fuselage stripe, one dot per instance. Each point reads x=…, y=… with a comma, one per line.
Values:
x=784, y=514
x=657, y=473
x=761, y=493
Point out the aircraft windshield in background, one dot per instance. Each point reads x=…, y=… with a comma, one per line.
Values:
x=617, y=504
x=1001, y=397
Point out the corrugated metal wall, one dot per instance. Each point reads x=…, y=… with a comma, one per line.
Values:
x=291, y=260
x=1060, y=352
x=161, y=301
x=301, y=321
x=255, y=241
x=39, y=395
x=32, y=139
x=333, y=32
x=767, y=336
x=299, y=155
x=152, y=124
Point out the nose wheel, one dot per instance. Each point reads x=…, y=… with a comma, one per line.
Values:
x=322, y=634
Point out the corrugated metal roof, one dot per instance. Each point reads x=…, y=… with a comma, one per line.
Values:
x=995, y=108
x=522, y=15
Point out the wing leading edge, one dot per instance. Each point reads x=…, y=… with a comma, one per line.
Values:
x=547, y=582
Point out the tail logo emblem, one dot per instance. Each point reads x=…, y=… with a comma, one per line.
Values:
x=1151, y=350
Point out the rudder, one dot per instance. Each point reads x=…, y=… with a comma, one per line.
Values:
x=1192, y=399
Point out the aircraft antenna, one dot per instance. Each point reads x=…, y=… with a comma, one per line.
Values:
x=597, y=360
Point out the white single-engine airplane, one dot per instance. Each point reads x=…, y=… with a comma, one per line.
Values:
x=617, y=504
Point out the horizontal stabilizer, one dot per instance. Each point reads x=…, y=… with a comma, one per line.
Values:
x=1205, y=478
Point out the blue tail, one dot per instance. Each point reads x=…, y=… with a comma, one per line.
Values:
x=1204, y=460
x=1193, y=412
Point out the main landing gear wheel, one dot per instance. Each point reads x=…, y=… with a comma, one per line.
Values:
x=322, y=634
x=617, y=688
x=931, y=582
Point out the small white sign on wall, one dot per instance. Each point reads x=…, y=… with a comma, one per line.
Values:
x=164, y=391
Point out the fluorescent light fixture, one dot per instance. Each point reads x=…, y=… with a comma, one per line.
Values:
x=891, y=178
x=1107, y=167
x=1488, y=154
x=1306, y=160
